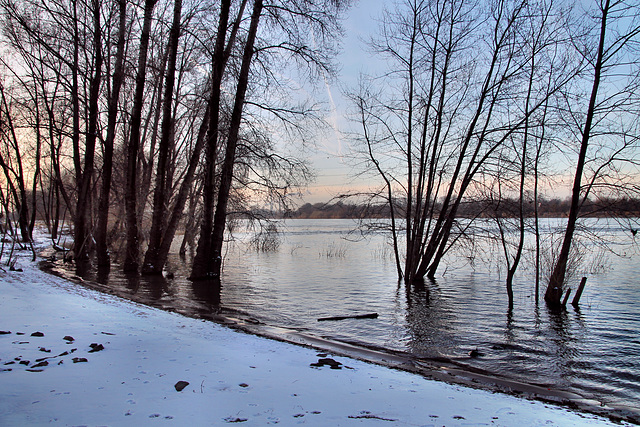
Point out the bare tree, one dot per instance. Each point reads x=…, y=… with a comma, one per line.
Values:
x=160, y=193
x=289, y=24
x=203, y=257
x=60, y=43
x=226, y=175
x=100, y=164
x=11, y=162
x=447, y=123
x=102, y=243
x=546, y=39
x=614, y=85
x=131, y=262
x=83, y=235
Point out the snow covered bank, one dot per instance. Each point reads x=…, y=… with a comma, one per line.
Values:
x=233, y=377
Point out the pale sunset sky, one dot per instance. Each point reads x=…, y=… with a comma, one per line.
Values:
x=333, y=174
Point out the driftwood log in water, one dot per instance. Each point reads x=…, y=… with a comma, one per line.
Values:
x=357, y=316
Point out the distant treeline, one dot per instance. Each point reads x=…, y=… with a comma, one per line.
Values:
x=551, y=208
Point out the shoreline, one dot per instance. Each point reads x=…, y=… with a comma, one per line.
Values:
x=441, y=369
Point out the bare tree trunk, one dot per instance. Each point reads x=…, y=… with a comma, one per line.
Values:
x=192, y=219
x=132, y=254
x=75, y=97
x=226, y=177
x=388, y=188
x=82, y=230
x=102, y=243
x=14, y=179
x=146, y=160
x=553, y=294
x=514, y=263
x=160, y=195
x=202, y=259
x=37, y=172
x=162, y=252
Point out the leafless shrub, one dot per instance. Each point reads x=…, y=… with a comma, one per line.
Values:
x=267, y=239
x=334, y=251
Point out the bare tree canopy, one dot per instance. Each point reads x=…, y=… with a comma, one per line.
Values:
x=135, y=109
x=477, y=98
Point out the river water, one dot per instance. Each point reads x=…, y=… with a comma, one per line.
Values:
x=320, y=268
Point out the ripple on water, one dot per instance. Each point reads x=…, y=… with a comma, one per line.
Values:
x=316, y=273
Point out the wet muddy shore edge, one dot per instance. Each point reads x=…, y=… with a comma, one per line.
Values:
x=441, y=369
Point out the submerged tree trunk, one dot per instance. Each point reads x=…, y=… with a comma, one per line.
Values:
x=160, y=195
x=553, y=294
x=36, y=174
x=176, y=213
x=226, y=176
x=102, y=244
x=82, y=230
x=131, y=190
x=201, y=260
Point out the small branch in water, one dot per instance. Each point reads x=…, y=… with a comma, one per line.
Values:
x=566, y=297
x=357, y=316
x=576, y=299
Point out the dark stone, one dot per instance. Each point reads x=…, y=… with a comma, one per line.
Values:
x=243, y=385
x=326, y=362
x=25, y=362
x=329, y=361
x=68, y=338
x=96, y=347
x=235, y=420
x=37, y=334
x=180, y=385
x=366, y=415
x=79, y=359
x=5, y=332
x=10, y=363
x=45, y=350
x=38, y=365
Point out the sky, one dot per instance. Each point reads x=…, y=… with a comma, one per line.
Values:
x=333, y=174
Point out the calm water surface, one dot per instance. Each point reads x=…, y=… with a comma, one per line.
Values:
x=319, y=271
